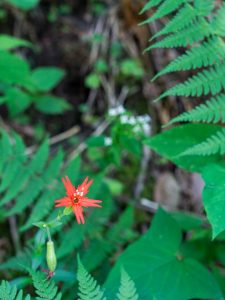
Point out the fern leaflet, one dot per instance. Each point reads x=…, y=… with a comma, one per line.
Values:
x=7, y=292
x=218, y=23
x=150, y=4
x=44, y=288
x=183, y=18
x=207, y=54
x=88, y=287
x=214, y=144
x=167, y=7
x=197, y=31
x=127, y=290
x=212, y=111
x=208, y=81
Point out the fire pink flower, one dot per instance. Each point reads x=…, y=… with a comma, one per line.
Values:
x=76, y=198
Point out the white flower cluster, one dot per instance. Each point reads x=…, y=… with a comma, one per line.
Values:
x=116, y=111
x=140, y=123
x=108, y=141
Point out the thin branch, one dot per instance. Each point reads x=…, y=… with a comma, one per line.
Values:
x=57, y=138
x=14, y=233
x=142, y=173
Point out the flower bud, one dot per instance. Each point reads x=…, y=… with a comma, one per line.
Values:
x=51, y=257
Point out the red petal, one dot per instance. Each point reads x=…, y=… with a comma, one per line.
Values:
x=81, y=214
x=90, y=202
x=84, y=186
x=70, y=189
x=63, y=202
x=76, y=213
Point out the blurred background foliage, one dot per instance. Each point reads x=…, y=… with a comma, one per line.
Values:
x=76, y=100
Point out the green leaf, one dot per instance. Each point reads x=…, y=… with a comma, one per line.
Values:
x=17, y=101
x=188, y=221
x=67, y=210
x=115, y=186
x=51, y=104
x=214, y=196
x=101, y=66
x=171, y=143
x=8, y=42
x=156, y=267
x=96, y=141
x=47, y=78
x=130, y=67
x=24, y=4
x=13, y=69
x=39, y=224
x=92, y=81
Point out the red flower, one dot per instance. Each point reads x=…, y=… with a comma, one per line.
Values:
x=76, y=198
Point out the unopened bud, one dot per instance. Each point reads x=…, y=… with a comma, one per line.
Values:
x=51, y=257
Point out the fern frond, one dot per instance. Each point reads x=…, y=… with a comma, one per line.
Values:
x=21, y=178
x=204, y=7
x=197, y=31
x=18, y=262
x=208, y=81
x=186, y=15
x=14, y=162
x=127, y=290
x=212, y=111
x=167, y=7
x=218, y=23
x=44, y=288
x=6, y=149
x=7, y=292
x=214, y=144
x=69, y=243
x=209, y=53
x=88, y=287
x=150, y=4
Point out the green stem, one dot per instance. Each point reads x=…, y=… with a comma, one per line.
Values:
x=48, y=233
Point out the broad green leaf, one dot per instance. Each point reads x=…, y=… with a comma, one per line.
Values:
x=17, y=101
x=8, y=42
x=24, y=4
x=13, y=69
x=171, y=143
x=188, y=221
x=157, y=268
x=47, y=78
x=51, y=105
x=214, y=196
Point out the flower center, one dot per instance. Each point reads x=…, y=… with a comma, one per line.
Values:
x=76, y=199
